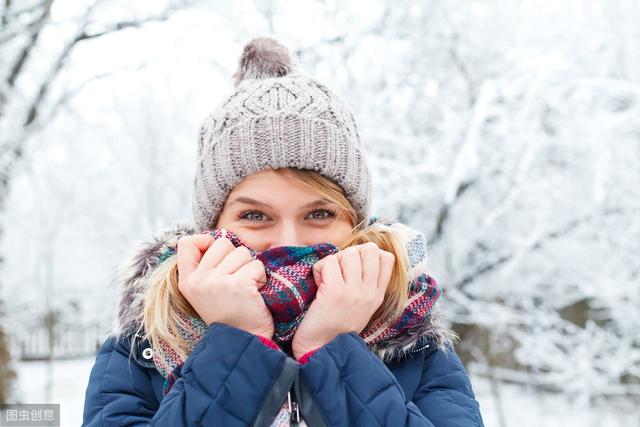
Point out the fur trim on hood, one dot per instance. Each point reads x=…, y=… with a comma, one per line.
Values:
x=131, y=282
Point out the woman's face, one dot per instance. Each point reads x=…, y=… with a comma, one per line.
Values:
x=267, y=210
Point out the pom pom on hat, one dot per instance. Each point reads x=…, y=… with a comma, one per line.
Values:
x=262, y=58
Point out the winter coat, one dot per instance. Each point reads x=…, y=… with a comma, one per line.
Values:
x=234, y=378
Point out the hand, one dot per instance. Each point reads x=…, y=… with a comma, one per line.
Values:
x=221, y=283
x=351, y=286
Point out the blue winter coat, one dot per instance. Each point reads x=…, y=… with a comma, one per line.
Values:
x=232, y=379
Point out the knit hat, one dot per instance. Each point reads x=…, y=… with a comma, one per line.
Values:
x=277, y=118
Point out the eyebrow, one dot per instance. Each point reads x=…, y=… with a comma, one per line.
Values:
x=248, y=200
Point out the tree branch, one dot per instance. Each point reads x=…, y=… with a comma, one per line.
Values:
x=545, y=238
x=12, y=149
x=18, y=66
x=83, y=35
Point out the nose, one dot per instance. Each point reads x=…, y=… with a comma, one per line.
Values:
x=288, y=235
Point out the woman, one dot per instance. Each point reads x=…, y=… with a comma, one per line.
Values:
x=291, y=306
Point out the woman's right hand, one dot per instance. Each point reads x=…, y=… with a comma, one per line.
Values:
x=221, y=283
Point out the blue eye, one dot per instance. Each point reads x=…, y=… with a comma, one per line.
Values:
x=329, y=213
x=258, y=215
x=244, y=216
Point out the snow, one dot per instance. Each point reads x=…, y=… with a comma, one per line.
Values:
x=69, y=382
x=524, y=407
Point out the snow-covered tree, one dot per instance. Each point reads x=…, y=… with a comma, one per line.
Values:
x=38, y=40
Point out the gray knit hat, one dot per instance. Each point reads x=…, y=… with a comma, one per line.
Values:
x=277, y=118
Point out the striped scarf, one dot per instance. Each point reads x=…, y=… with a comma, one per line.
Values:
x=290, y=290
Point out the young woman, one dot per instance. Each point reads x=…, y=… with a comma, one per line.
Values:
x=286, y=303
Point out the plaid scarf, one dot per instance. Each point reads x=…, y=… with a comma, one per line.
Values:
x=290, y=290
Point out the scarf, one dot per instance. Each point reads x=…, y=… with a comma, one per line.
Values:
x=290, y=290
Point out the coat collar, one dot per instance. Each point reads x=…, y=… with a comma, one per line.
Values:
x=132, y=280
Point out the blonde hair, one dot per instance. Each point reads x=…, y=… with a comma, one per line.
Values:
x=163, y=299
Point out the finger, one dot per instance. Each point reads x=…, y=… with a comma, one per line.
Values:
x=351, y=265
x=218, y=250
x=189, y=251
x=318, y=265
x=387, y=262
x=316, y=269
x=232, y=262
x=331, y=272
x=253, y=272
x=370, y=263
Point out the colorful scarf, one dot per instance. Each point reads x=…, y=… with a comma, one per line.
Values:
x=290, y=290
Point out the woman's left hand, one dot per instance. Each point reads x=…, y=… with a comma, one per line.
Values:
x=351, y=286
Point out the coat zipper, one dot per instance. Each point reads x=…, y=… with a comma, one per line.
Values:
x=420, y=348
x=293, y=404
x=293, y=407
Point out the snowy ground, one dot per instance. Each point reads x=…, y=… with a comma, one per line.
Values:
x=70, y=379
x=521, y=407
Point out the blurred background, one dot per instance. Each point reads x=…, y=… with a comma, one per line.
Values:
x=507, y=130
